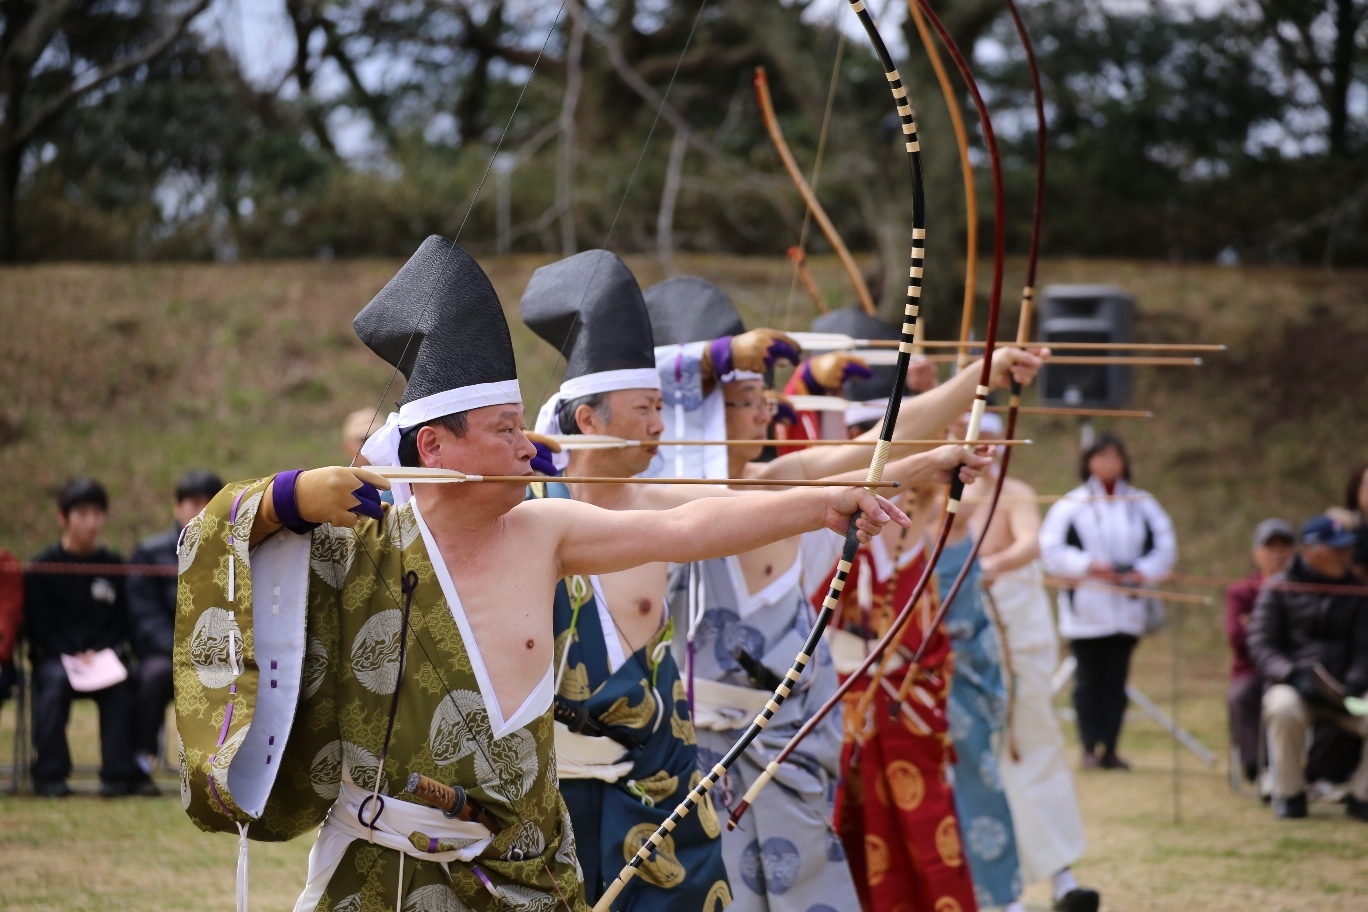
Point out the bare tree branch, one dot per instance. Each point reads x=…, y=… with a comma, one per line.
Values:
x=56, y=106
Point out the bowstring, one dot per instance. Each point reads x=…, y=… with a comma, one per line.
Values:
x=817, y=165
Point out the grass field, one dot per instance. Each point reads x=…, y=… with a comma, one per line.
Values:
x=137, y=373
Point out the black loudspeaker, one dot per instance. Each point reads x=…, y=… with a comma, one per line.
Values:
x=1086, y=313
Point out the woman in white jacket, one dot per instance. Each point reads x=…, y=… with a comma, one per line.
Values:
x=1112, y=533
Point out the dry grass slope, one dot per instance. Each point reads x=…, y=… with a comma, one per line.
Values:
x=136, y=373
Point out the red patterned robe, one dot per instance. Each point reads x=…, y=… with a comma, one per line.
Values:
x=894, y=808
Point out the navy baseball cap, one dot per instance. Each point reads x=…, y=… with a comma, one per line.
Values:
x=1325, y=530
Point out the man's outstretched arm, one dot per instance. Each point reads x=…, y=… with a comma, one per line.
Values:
x=593, y=540
x=924, y=417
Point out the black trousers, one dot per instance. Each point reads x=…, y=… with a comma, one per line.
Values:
x=1099, y=692
x=1244, y=703
x=52, y=696
x=152, y=691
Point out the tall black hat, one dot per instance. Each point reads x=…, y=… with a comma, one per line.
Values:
x=440, y=322
x=854, y=322
x=689, y=309
x=589, y=307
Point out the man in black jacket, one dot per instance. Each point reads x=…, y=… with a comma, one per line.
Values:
x=152, y=615
x=1311, y=644
x=78, y=617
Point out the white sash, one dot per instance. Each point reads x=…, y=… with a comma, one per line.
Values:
x=726, y=707
x=399, y=819
x=587, y=757
x=848, y=650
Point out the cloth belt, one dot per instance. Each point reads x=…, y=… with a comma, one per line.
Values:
x=587, y=757
x=396, y=823
x=726, y=707
x=848, y=650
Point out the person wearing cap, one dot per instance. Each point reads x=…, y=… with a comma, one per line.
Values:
x=1272, y=550
x=76, y=624
x=152, y=615
x=745, y=615
x=1311, y=646
x=397, y=685
x=1032, y=761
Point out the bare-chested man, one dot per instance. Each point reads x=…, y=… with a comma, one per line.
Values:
x=386, y=672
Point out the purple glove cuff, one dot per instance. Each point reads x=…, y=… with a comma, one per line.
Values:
x=813, y=387
x=543, y=462
x=720, y=351
x=287, y=510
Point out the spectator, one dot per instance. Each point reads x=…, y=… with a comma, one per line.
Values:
x=1356, y=499
x=152, y=616
x=1274, y=544
x=1110, y=533
x=11, y=617
x=1311, y=645
x=358, y=426
x=79, y=619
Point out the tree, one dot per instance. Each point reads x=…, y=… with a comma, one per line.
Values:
x=1322, y=42
x=57, y=53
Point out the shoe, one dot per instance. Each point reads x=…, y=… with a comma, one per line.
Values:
x=51, y=788
x=1079, y=899
x=1292, y=808
x=146, y=788
x=1356, y=808
x=1112, y=761
x=1091, y=761
x=118, y=788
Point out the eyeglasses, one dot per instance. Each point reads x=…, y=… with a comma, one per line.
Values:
x=769, y=406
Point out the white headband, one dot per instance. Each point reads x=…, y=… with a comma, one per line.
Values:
x=382, y=447
x=548, y=419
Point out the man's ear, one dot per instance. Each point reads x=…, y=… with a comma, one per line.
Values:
x=429, y=444
x=588, y=420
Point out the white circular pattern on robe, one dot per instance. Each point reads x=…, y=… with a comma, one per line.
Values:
x=209, y=644
x=986, y=838
x=526, y=899
x=508, y=765
x=434, y=898
x=315, y=666
x=375, y=652
x=189, y=542
x=359, y=766
x=184, y=773
x=348, y=904
x=566, y=854
x=242, y=529
x=958, y=721
x=325, y=772
x=449, y=734
x=331, y=554
x=529, y=842
x=988, y=770
x=337, y=761
x=223, y=758
x=403, y=526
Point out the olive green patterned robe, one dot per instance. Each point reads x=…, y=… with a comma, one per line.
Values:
x=287, y=661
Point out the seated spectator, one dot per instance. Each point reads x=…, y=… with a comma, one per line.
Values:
x=152, y=616
x=1274, y=545
x=1311, y=646
x=11, y=617
x=76, y=624
x=357, y=426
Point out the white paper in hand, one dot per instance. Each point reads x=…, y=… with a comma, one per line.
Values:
x=92, y=671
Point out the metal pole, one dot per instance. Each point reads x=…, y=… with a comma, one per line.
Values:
x=1173, y=684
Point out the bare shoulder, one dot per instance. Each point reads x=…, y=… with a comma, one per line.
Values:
x=667, y=497
x=1015, y=487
